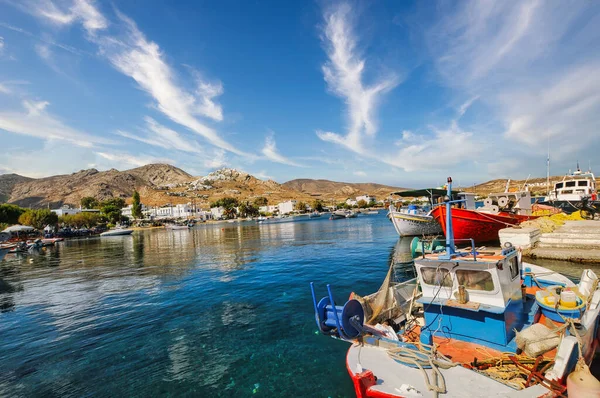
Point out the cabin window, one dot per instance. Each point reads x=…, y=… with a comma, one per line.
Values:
x=513, y=265
x=436, y=276
x=475, y=280
x=570, y=184
x=559, y=185
x=567, y=191
x=582, y=183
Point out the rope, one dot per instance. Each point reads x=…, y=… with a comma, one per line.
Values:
x=426, y=356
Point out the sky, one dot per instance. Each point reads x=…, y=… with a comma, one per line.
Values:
x=400, y=93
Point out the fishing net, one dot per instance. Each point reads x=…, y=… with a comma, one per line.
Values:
x=379, y=306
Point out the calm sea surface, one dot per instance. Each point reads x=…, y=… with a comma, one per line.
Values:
x=219, y=310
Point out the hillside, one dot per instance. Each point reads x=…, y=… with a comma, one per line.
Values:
x=7, y=184
x=340, y=190
x=70, y=188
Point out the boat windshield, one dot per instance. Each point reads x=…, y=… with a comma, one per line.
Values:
x=559, y=185
x=570, y=184
x=475, y=280
x=436, y=276
x=583, y=183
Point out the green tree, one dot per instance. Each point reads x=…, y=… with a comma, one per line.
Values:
x=362, y=204
x=261, y=201
x=248, y=209
x=300, y=206
x=112, y=213
x=79, y=220
x=117, y=202
x=9, y=214
x=89, y=202
x=136, y=209
x=38, y=219
x=229, y=212
x=317, y=205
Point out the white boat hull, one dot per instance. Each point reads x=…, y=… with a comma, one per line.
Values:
x=117, y=232
x=414, y=224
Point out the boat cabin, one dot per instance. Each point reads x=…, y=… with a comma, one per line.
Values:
x=472, y=297
x=574, y=186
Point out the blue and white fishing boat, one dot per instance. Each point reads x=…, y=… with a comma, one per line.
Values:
x=471, y=324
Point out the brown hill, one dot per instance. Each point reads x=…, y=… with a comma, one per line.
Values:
x=70, y=188
x=8, y=182
x=340, y=190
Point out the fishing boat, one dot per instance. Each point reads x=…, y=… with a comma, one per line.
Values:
x=177, y=226
x=470, y=324
x=338, y=214
x=500, y=210
x=314, y=214
x=117, y=232
x=351, y=214
x=417, y=220
x=568, y=193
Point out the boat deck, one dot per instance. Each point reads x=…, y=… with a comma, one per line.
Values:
x=460, y=382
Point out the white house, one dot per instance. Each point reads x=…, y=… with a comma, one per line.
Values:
x=269, y=209
x=367, y=198
x=65, y=211
x=351, y=202
x=217, y=212
x=128, y=211
x=286, y=207
x=178, y=211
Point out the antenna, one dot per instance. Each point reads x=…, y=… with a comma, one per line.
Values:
x=548, y=168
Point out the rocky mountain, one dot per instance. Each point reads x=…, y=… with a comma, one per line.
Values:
x=340, y=190
x=70, y=188
x=8, y=182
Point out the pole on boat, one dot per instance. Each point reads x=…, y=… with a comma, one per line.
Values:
x=450, y=249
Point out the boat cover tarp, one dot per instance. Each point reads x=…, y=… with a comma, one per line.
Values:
x=415, y=193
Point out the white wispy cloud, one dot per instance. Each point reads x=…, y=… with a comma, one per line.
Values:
x=360, y=173
x=43, y=50
x=44, y=40
x=466, y=105
x=435, y=151
x=532, y=65
x=160, y=136
x=36, y=121
x=1, y=45
x=132, y=54
x=126, y=159
x=218, y=160
x=270, y=152
x=4, y=89
x=67, y=13
x=344, y=74
x=142, y=60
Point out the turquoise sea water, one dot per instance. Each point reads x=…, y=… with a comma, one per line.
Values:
x=220, y=310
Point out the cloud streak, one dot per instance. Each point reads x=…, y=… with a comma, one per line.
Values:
x=344, y=74
x=36, y=121
x=163, y=137
x=271, y=153
x=143, y=61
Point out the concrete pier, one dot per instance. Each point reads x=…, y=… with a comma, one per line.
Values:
x=577, y=241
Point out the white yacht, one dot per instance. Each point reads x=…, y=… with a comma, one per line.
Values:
x=567, y=193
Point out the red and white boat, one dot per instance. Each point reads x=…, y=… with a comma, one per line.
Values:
x=500, y=210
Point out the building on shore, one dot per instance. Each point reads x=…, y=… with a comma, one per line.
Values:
x=217, y=212
x=367, y=198
x=69, y=211
x=170, y=212
x=269, y=209
x=286, y=207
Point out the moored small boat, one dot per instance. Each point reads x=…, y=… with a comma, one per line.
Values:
x=314, y=214
x=470, y=325
x=117, y=232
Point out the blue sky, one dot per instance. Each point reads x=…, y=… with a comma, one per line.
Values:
x=393, y=92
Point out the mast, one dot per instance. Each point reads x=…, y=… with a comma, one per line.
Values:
x=548, y=169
